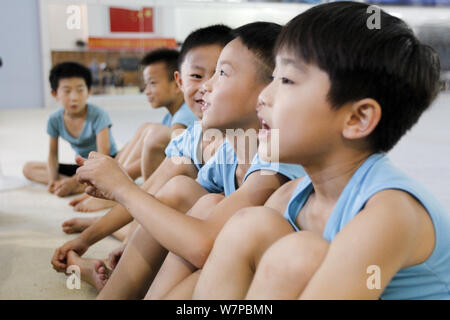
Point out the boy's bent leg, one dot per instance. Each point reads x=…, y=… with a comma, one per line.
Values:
x=123, y=154
x=175, y=269
x=136, y=269
x=143, y=254
x=185, y=289
x=237, y=251
x=156, y=139
x=287, y=266
x=36, y=171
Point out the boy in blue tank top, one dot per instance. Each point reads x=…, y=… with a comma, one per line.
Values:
x=145, y=151
x=197, y=62
x=230, y=98
x=85, y=126
x=342, y=96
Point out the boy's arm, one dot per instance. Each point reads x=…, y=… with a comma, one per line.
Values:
x=102, y=139
x=53, y=160
x=378, y=242
x=118, y=216
x=186, y=236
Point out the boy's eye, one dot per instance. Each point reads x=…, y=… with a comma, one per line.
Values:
x=286, y=81
x=196, y=76
x=222, y=73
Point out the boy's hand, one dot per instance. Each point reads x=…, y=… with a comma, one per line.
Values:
x=104, y=176
x=59, y=260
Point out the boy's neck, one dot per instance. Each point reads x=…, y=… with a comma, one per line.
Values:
x=330, y=174
x=175, y=105
x=245, y=141
x=80, y=114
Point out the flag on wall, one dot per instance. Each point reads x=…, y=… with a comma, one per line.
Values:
x=126, y=20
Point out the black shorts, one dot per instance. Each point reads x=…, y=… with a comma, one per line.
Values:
x=70, y=169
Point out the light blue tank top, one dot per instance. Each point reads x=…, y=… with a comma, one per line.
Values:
x=187, y=145
x=96, y=120
x=428, y=280
x=183, y=116
x=219, y=173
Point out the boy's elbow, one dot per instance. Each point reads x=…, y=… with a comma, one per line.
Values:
x=201, y=253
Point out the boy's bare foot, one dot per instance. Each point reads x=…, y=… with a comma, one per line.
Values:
x=67, y=187
x=75, y=225
x=92, y=204
x=93, y=271
x=77, y=200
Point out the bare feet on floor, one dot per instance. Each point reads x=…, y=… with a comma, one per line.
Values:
x=91, y=204
x=77, y=200
x=76, y=225
x=93, y=271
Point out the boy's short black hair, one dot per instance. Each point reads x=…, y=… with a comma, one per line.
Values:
x=260, y=38
x=388, y=64
x=217, y=34
x=168, y=56
x=69, y=69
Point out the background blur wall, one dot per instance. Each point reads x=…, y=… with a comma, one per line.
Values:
x=21, y=74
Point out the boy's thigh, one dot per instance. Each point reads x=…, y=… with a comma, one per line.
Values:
x=157, y=134
x=182, y=191
x=203, y=207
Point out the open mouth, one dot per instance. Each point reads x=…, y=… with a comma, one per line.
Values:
x=264, y=132
x=199, y=101
x=205, y=105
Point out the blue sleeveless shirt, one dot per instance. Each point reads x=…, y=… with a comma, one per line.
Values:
x=187, y=144
x=427, y=280
x=219, y=172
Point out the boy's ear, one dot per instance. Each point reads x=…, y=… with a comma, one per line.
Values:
x=178, y=80
x=53, y=93
x=362, y=120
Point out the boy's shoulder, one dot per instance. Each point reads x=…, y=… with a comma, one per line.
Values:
x=56, y=114
x=281, y=197
x=94, y=109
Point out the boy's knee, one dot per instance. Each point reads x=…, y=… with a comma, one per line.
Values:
x=204, y=205
x=296, y=255
x=27, y=169
x=175, y=192
x=250, y=223
x=156, y=137
x=143, y=127
x=209, y=200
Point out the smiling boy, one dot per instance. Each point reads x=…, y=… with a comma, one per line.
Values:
x=340, y=100
x=197, y=62
x=229, y=103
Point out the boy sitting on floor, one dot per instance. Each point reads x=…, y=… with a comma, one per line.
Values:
x=342, y=96
x=85, y=126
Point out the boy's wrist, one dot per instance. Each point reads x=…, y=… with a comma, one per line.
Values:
x=124, y=192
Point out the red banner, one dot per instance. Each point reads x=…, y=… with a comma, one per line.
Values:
x=114, y=44
x=125, y=20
